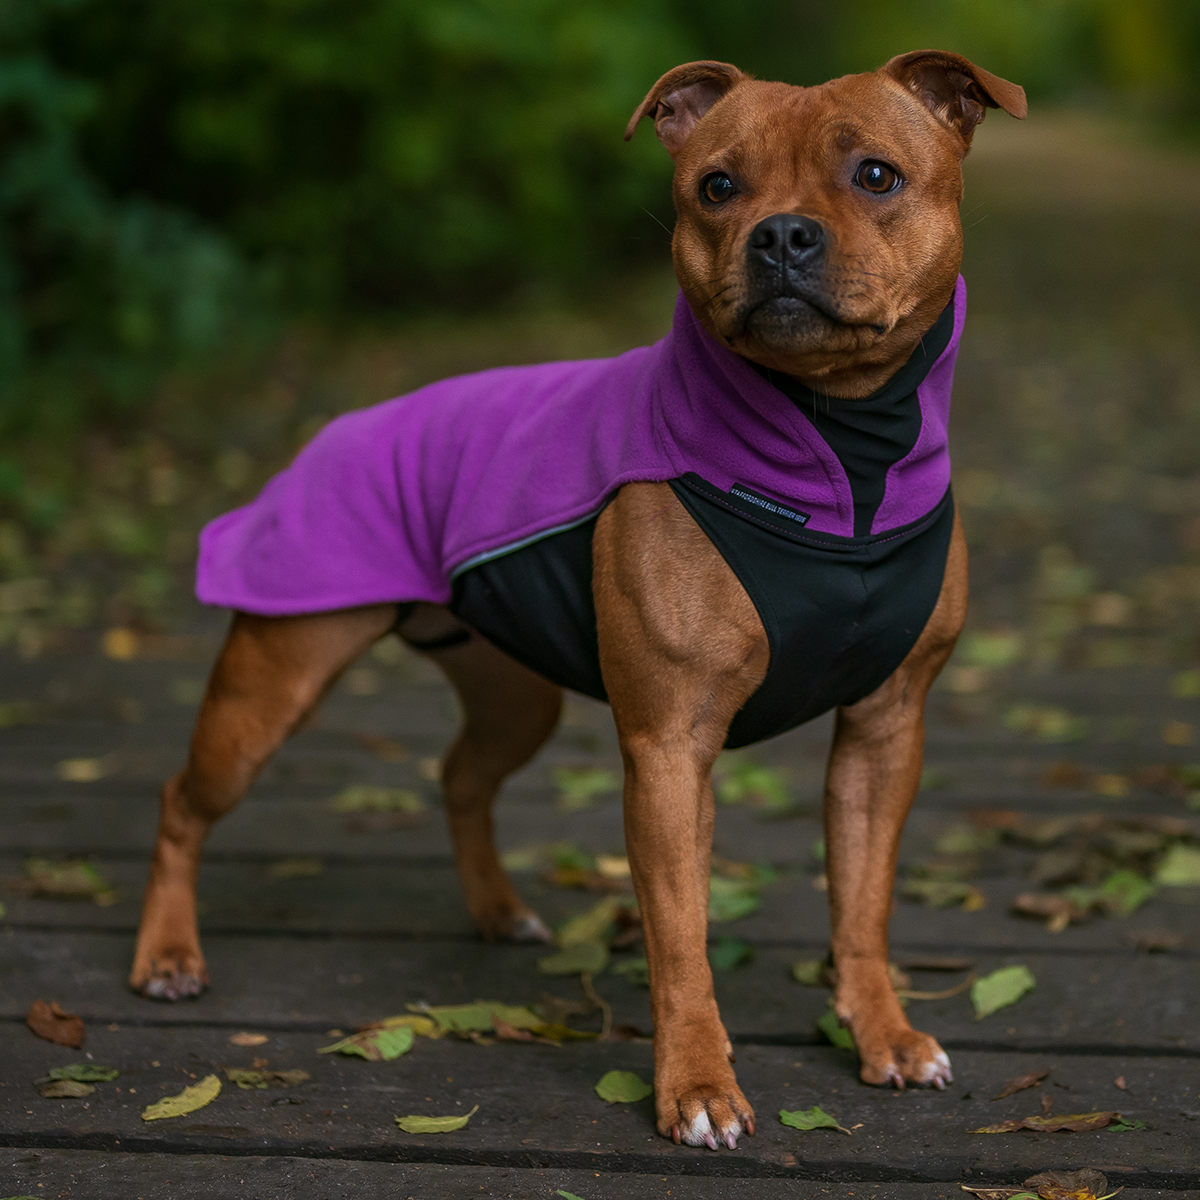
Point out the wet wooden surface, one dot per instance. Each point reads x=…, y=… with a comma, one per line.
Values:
x=318, y=920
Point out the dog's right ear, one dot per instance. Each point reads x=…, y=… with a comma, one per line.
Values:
x=681, y=97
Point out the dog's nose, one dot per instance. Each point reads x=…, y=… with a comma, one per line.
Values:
x=786, y=239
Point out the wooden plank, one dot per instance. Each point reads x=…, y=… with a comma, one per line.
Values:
x=537, y=1106
x=286, y=982
x=154, y=1176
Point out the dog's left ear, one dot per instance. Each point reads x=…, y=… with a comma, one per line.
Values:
x=954, y=89
x=681, y=97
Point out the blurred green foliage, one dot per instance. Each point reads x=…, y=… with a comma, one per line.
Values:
x=172, y=172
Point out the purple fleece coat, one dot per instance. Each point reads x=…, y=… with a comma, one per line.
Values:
x=389, y=503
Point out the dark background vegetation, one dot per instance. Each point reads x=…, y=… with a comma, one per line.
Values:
x=341, y=198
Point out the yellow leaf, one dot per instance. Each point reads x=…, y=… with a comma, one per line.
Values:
x=190, y=1099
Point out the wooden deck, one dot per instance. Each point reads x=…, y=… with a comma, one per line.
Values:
x=382, y=925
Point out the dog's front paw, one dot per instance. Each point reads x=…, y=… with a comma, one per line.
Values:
x=697, y=1098
x=903, y=1057
x=172, y=977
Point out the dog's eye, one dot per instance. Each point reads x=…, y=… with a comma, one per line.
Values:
x=717, y=188
x=876, y=177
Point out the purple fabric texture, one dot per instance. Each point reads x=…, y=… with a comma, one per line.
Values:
x=388, y=503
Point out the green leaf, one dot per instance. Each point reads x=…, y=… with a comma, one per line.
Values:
x=622, y=1087
x=595, y=925
x=1124, y=892
x=567, y=1195
x=1000, y=989
x=636, y=970
x=187, y=1101
x=1126, y=1125
x=477, y=1017
x=810, y=972
x=1180, y=867
x=731, y=899
x=746, y=780
x=574, y=960
x=730, y=953
x=1000, y=649
x=365, y=798
x=835, y=1031
x=84, y=1073
x=578, y=787
x=418, y=1124
x=375, y=1045
x=814, y=1118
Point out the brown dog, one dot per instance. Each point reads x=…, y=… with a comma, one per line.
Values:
x=859, y=181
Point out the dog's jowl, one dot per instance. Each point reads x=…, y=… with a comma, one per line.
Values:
x=724, y=535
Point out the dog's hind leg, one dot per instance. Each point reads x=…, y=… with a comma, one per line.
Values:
x=874, y=771
x=508, y=713
x=271, y=673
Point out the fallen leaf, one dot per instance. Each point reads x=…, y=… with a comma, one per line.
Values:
x=1000, y=1193
x=1058, y=910
x=910, y=994
x=1119, y=1082
x=593, y=926
x=1000, y=989
x=813, y=1118
x=84, y=1073
x=1047, y=1103
x=1075, y=1123
x=1020, y=1082
x=82, y=770
x=1180, y=867
x=477, y=1017
x=543, y=1035
x=367, y=798
x=575, y=959
x=421, y=1026
x=1088, y=1184
x=295, y=868
x=578, y=787
x=622, y=1087
x=998, y=648
x=71, y=879
x=65, y=1089
x=811, y=972
x=1045, y=722
x=567, y=1195
x=382, y=747
x=50, y=1022
x=246, y=1079
x=1156, y=941
x=418, y=1124
x=614, y=866
x=636, y=970
x=375, y=1045
x=835, y=1031
x=732, y=899
x=730, y=953
x=248, y=1039
x=743, y=780
x=189, y=1100
x=1126, y=1125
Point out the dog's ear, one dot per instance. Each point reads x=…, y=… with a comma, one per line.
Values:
x=681, y=97
x=954, y=89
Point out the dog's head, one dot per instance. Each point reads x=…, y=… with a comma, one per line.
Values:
x=818, y=231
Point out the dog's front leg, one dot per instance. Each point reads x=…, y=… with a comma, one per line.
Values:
x=681, y=648
x=874, y=771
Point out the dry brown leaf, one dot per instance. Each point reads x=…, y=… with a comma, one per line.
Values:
x=1047, y=1103
x=1120, y=1082
x=1059, y=911
x=1156, y=941
x=248, y=1039
x=50, y=1022
x=1088, y=1184
x=1074, y=1122
x=934, y=962
x=1020, y=1082
x=508, y=1033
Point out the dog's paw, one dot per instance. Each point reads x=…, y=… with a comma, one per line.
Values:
x=709, y=1117
x=178, y=985
x=903, y=1058
x=529, y=927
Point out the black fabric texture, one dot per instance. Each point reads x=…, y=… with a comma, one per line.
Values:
x=872, y=434
x=840, y=614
